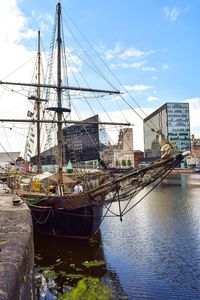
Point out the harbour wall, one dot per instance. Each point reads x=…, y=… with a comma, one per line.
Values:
x=16, y=248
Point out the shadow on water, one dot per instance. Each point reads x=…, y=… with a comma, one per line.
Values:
x=61, y=263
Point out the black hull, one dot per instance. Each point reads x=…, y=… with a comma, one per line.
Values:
x=82, y=223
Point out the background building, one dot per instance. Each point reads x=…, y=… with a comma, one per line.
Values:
x=122, y=153
x=81, y=144
x=194, y=159
x=138, y=156
x=8, y=161
x=173, y=119
x=125, y=139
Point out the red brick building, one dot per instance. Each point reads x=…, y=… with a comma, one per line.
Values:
x=137, y=156
x=194, y=158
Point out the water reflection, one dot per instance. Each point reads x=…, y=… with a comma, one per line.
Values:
x=161, y=239
x=59, y=264
x=154, y=253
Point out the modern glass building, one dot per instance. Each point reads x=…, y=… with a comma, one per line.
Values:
x=174, y=122
x=81, y=144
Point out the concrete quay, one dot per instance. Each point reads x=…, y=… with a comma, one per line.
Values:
x=16, y=248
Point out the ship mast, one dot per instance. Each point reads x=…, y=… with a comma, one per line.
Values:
x=38, y=108
x=59, y=102
x=59, y=110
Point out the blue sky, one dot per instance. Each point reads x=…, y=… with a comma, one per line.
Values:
x=152, y=46
x=165, y=33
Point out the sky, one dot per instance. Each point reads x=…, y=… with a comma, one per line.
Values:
x=152, y=48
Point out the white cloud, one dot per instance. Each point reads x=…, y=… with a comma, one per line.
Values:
x=165, y=66
x=151, y=69
x=13, y=24
x=17, y=65
x=121, y=53
x=134, y=65
x=140, y=66
x=13, y=55
x=172, y=14
x=130, y=53
x=44, y=21
x=126, y=57
x=194, y=106
x=139, y=87
x=152, y=99
x=110, y=54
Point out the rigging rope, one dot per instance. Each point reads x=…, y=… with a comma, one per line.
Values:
x=103, y=109
x=7, y=152
x=161, y=179
x=102, y=61
x=18, y=68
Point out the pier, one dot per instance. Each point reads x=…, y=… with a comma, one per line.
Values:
x=16, y=248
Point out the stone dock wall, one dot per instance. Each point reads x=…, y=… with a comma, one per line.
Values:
x=16, y=248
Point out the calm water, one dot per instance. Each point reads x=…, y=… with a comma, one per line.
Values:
x=154, y=253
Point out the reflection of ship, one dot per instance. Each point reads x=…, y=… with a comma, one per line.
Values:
x=65, y=260
x=68, y=251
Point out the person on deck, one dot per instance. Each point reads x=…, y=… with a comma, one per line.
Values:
x=78, y=187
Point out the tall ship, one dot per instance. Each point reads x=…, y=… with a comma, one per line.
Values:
x=60, y=211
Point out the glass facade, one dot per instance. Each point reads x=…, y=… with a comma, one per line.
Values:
x=174, y=122
x=81, y=143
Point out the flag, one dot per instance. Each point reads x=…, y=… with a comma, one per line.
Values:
x=29, y=114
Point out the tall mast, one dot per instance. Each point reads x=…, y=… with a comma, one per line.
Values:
x=38, y=107
x=59, y=102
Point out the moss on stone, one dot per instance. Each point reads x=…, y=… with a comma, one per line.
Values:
x=93, y=263
x=88, y=289
x=49, y=274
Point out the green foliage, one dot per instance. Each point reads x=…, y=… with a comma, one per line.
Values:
x=93, y=263
x=123, y=163
x=88, y=289
x=74, y=276
x=117, y=163
x=49, y=274
x=24, y=278
x=79, y=269
x=129, y=163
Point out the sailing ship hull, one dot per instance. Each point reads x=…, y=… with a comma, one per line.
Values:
x=82, y=223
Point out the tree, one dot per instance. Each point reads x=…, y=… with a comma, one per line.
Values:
x=123, y=163
x=117, y=163
x=129, y=163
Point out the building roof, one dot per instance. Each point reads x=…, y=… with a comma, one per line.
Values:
x=155, y=112
x=138, y=151
x=164, y=106
x=9, y=156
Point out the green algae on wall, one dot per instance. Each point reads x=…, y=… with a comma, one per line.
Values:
x=88, y=288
